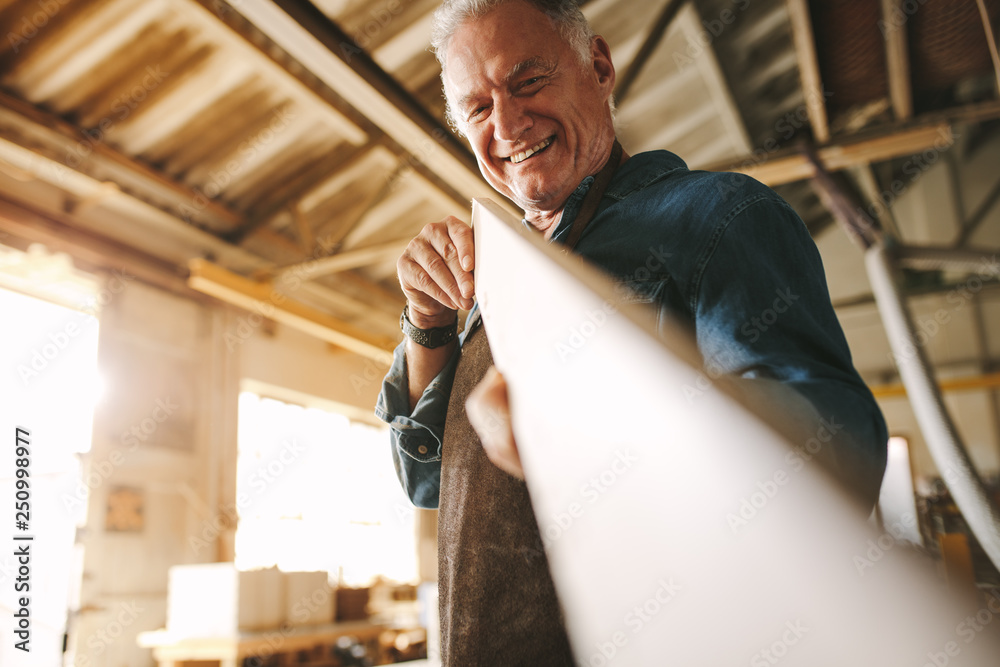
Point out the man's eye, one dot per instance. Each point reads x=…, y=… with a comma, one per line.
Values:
x=477, y=112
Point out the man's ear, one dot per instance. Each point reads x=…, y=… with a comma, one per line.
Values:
x=604, y=69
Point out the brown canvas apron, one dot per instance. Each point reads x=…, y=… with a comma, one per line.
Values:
x=498, y=602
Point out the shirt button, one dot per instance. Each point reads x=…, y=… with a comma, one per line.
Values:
x=422, y=449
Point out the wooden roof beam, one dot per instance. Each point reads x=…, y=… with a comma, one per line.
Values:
x=323, y=48
x=349, y=259
x=649, y=45
x=789, y=167
x=43, y=133
x=897, y=58
x=264, y=299
x=812, y=83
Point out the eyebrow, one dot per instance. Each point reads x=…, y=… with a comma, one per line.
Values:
x=533, y=63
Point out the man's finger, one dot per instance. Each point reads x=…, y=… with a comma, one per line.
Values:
x=488, y=410
x=421, y=289
x=434, y=250
x=463, y=238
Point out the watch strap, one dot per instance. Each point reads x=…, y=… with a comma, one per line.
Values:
x=429, y=338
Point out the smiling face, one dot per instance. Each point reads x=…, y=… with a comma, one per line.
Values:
x=537, y=118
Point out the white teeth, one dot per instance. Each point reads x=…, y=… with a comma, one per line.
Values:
x=521, y=157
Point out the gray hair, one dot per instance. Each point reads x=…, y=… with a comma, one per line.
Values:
x=564, y=14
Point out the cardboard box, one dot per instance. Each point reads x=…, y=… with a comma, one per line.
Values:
x=217, y=600
x=309, y=598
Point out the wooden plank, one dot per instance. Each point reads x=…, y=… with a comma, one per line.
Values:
x=812, y=84
x=45, y=134
x=897, y=56
x=990, y=40
x=350, y=259
x=93, y=251
x=788, y=167
x=676, y=528
x=649, y=44
x=263, y=299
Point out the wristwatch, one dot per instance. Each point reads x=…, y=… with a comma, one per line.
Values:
x=429, y=338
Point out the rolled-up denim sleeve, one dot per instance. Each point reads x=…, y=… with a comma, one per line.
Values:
x=776, y=326
x=416, y=436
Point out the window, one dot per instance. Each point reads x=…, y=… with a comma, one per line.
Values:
x=317, y=491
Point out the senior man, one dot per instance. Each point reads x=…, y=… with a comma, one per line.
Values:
x=529, y=85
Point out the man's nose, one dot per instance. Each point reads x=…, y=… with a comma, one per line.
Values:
x=509, y=119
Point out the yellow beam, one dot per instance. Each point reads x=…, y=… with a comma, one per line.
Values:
x=264, y=299
x=989, y=381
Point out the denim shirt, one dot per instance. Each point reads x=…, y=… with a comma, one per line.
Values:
x=727, y=256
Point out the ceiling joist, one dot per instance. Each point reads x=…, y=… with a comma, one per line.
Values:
x=321, y=47
x=897, y=57
x=795, y=166
x=262, y=298
x=812, y=83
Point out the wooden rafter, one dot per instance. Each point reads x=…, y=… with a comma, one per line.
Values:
x=46, y=134
x=93, y=250
x=812, y=83
x=649, y=45
x=788, y=166
x=320, y=46
x=343, y=261
x=990, y=39
x=897, y=57
x=262, y=298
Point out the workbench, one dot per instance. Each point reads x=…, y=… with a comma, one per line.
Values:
x=173, y=651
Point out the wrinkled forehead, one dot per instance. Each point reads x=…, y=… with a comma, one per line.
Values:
x=504, y=43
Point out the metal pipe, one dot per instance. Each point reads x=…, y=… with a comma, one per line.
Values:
x=981, y=261
x=939, y=431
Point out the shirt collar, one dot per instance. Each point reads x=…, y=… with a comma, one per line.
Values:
x=569, y=212
x=638, y=171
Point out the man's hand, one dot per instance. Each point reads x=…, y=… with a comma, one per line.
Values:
x=435, y=272
x=489, y=413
